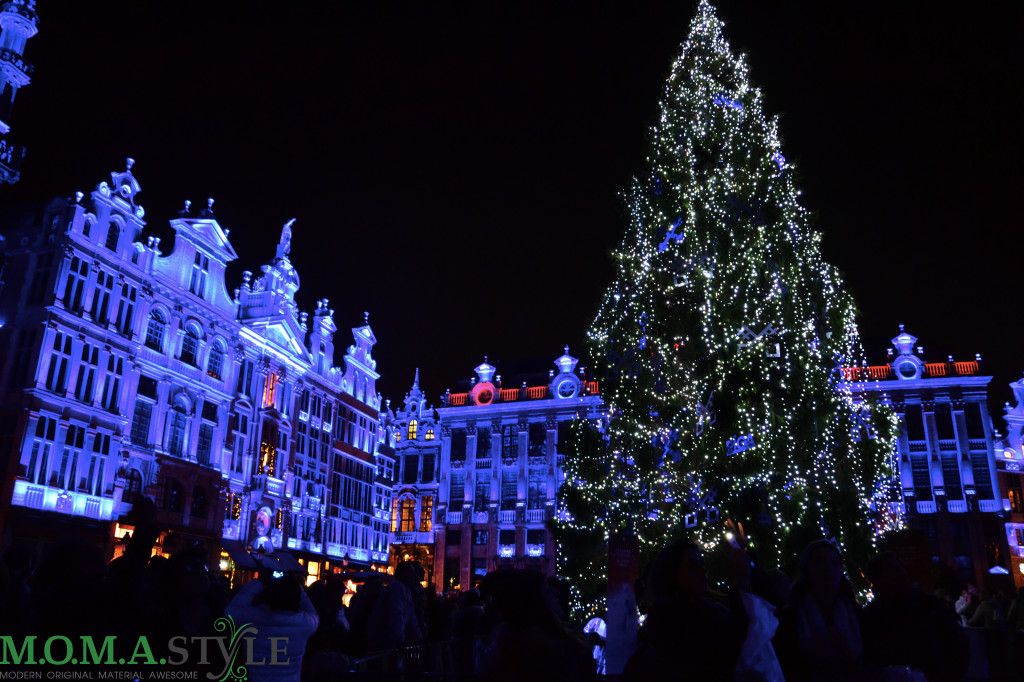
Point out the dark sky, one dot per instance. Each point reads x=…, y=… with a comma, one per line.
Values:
x=454, y=168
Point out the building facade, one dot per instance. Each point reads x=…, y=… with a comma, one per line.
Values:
x=487, y=467
x=946, y=455
x=128, y=371
x=18, y=23
x=1010, y=468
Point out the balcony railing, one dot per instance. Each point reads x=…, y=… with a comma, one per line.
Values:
x=507, y=516
x=989, y=506
x=978, y=444
x=17, y=60
x=957, y=506
x=453, y=517
x=926, y=507
x=947, y=445
x=483, y=463
x=535, y=516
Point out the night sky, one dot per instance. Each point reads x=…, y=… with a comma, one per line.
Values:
x=455, y=168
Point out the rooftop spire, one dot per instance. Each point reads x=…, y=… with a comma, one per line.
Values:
x=416, y=381
x=284, y=247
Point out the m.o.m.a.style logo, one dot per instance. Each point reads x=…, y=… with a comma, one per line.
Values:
x=227, y=656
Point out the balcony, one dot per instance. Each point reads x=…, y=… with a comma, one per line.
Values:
x=957, y=506
x=926, y=507
x=507, y=517
x=483, y=463
x=506, y=551
x=989, y=506
x=479, y=517
x=453, y=518
x=535, y=550
x=978, y=444
x=947, y=445
x=535, y=516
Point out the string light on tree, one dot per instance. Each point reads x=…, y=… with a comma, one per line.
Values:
x=720, y=292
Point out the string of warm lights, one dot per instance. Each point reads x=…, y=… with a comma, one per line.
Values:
x=722, y=341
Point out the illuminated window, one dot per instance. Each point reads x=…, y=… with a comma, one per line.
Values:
x=216, y=363
x=429, y=435
x=268, y=459
x=1016, y=503
x=426, y=513
x=270, y=390
x=412, y=429
x=190, y=346
x=407, y=514
x=155, y=330
x=279, y=519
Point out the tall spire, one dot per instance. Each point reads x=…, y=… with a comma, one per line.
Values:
x=416, y=381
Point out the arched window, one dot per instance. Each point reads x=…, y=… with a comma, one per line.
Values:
x=199, y=502
x=113, y=236
x=407, y=515
x=132, y=486
x=429, y=435
x=412, y=429
x=175, y=501
x=155, y=330
x=216, y=362
x=190, y=347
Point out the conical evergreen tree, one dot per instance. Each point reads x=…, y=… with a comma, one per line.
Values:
x=721, y=343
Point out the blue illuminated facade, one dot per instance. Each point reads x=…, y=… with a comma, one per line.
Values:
x=946, y=455
x=478, y=477
x=129, y=371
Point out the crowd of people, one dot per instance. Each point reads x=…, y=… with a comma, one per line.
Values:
x=515, y=624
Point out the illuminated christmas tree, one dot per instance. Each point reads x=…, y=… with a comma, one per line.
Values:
x=722, y=342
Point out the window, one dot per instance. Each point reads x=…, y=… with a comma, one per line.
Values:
x=176, y=431
x=175, y=495
x=506, y=537
x=479, y=571
x=101, y=297
x=429, y=435
x=205, y=447
x=92, y=483
x=480, y=537
x=410, y=465
x=483, y=443
x=509, y=442
x=140, y=422
x=428, y=468
x=1013, y=493
x=407, y=515
x=200, y=505
x=113, y=236
x=36, y=460
x=64, y=477
x=75, y=284
x=915, y=422
x=457, y=490
x=190, y=347
x=126, y=309
x=234, y=507
x=538, y=440
x=412, y=429
x=268, y=459
x=482, y=492
x=535, y=536
x=270, y=390
x=197, y=282
x=216, y=362
x=972, y=417
x=537, y=492
x=133, y=486
x=155, y=330
x=60, y=362
x=458, y=451
x=244, y=377
x=944, y=422
x=426, y=513
x=87, y=370
x=112, y=388
x=509, y=489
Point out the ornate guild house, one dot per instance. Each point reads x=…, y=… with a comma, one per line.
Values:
x=127, y=370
